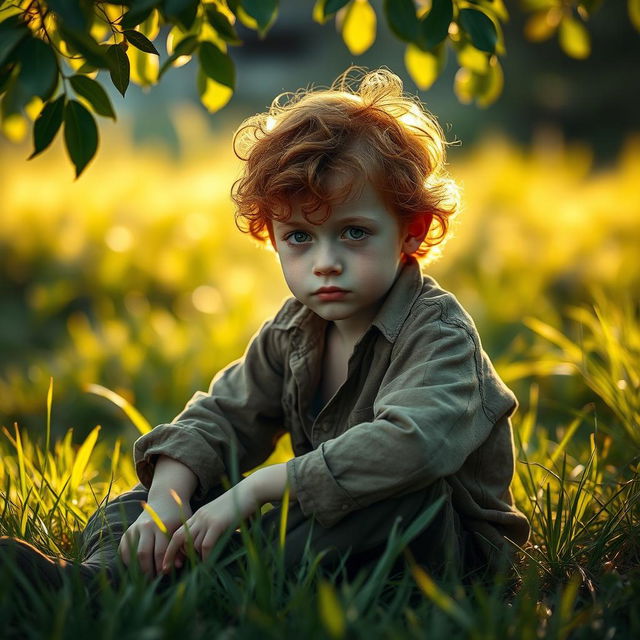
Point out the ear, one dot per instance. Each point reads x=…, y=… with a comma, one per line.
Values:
x=415, y=232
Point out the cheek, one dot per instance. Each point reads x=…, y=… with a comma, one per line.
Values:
x=291, y=266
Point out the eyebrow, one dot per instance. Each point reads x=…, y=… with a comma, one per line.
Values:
x=348, y=220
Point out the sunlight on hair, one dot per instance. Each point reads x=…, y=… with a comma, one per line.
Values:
x=270, y=123
x=363, y=126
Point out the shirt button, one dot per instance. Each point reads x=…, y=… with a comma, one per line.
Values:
x=345, y=507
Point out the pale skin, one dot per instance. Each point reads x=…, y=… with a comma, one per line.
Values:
x=157, y=554
x=358, y=249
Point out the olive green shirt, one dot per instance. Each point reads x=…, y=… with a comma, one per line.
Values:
x=421, y=401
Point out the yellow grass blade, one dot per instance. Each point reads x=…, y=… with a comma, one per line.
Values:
x=115, y=458
x=48, y=441
x=432, y=591
x=571, y=429
x=21, y=463
x=176, y=497
x=567, y=601
x=156, y=518
x=331, y=613
x=284, y=514
x=82, y=458
x=571, y=350
x=139, y=421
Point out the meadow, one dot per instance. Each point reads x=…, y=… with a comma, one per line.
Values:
x=124, y=292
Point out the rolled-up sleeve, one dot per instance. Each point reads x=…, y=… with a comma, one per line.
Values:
x=241, y=409
x=428, y=417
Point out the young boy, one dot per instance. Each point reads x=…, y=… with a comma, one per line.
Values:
x=376, y=372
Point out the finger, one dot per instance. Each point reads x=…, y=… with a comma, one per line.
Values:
x=128, y=540
x=123, y=550
x=208, y=543
x=177, y=540
x=197, y=542
x=145, y=555
x=160, y=547
x=180, y=558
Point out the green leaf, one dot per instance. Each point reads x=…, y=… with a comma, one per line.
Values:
x=80, y=135
x=86, y=46
x=38, y=74
x=574, y=38
x=12, y=32
x=74, y=14
x=5, y=76
x=264, y=12
x=333, y=6
x=46, y=125
x=185, y=47
x=217, y=65
x=424, y=67
x=221, y=24
x=213, y=95
x=485, y=87
x=140, y=41
x=480, y=28
x=94, y=93
x=634, y=13
x=434, y=27
x=358, y=28
x=119, y=67
x=139, y=12
x=402, y=18
x=182, y=11
x=14, y=98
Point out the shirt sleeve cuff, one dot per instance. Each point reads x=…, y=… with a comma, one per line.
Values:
x=316, y=490
x=182, y=445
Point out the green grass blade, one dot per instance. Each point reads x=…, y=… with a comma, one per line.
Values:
x=82, y=458
x=21, y=462
x=433, y=592
x=139, y=421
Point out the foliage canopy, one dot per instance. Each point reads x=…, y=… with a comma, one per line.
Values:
x=118, y=37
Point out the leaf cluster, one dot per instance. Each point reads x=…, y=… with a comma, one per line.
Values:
x=117, y=37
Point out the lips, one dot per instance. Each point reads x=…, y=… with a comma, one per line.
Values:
x=330, y=290
x=331, y=294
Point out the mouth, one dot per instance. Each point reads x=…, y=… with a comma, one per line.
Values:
x=330, y=290
x=331, y=293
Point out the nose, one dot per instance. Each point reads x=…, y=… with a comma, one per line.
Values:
x=326, y=261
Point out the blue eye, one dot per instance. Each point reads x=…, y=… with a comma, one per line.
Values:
x=357, y=233
x=298, y=236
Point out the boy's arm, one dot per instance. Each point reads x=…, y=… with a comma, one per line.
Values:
x=241, y=416
x=268, y=483
x=169, y=474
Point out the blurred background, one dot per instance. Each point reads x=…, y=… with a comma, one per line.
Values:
x=135, y=277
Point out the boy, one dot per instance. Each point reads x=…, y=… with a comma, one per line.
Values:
x=376, y=372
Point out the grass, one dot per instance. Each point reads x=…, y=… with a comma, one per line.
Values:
x=132, y=287
x=578, y=577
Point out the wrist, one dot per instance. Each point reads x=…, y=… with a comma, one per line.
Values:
x=171, y=475
x=268, y=483
x=255, y=486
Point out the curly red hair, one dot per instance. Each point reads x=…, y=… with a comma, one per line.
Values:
x=374, y=131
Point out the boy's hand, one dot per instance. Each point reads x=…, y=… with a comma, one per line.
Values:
x=146, y=538
x=209, y=522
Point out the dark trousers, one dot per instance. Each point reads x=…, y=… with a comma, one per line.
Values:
x=443, y=546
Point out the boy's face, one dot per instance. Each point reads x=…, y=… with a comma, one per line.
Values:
x=357, y=249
